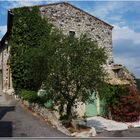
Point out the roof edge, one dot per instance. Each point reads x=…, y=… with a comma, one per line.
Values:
x=62, y=2
x=9, y=28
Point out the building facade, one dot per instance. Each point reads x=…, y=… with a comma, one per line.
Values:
x=70, y=20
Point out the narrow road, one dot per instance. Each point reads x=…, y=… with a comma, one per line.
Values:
x=132, y=132
x=16, y=121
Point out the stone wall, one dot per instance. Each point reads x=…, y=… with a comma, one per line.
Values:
x=69, y=18
x=0, y=61
x=6, y=74
x=51, y=116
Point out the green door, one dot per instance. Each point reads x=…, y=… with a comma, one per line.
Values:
x=91, y=108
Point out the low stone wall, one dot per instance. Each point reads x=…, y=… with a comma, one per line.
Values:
x=51, y=116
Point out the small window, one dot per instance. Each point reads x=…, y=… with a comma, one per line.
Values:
x=71, y=33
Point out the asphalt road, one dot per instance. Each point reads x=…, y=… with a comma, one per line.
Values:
x=131, y=132
x=17, y=121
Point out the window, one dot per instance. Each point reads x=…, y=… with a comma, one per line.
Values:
x=71, y=33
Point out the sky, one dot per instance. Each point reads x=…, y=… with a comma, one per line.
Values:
x=123, y=15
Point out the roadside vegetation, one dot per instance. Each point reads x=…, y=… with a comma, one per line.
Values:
x=122, y=103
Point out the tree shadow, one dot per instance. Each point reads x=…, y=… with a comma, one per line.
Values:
x=5, y=126
x=96, y=124
x=5, y=109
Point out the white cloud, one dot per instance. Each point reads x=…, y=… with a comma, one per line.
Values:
x=126, y=33
x=132, y=63
x=131, y=42
x=21, y=3
x=103, y=10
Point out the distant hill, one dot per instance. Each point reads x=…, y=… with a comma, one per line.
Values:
x=138, y=83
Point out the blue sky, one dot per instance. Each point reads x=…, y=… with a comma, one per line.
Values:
x=123, y=15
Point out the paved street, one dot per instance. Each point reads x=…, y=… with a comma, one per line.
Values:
x=16, y=121
x=132, y=132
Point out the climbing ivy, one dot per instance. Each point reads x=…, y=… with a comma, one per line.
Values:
x=31, y=36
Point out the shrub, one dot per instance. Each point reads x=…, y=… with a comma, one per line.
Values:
x=125, y=104
x=45, y=101
x=32, y=97
x=28, y=95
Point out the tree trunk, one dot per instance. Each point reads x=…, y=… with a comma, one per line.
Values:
x=69, y=111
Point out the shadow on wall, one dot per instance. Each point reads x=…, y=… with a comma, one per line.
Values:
x=5, y=126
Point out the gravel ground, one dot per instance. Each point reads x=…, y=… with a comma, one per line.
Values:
x=17, y=121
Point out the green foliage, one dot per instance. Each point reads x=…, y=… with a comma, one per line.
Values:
x=124, y=103
x=32, y=97
x=27, y=95
x=31, y=41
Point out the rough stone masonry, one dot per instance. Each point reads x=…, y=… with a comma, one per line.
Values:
x=71, y=19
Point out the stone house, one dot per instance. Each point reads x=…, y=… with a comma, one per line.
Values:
x=69, y=19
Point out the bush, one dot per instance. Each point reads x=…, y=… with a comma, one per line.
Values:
x=28, y=95
x=32, y=97
x=45, y=101
x=125, y=104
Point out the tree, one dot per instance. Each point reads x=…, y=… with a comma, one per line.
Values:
x=75, y=70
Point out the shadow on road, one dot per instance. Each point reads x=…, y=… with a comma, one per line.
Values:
x=5, y=129
x=5, y=126
x=5, y=109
